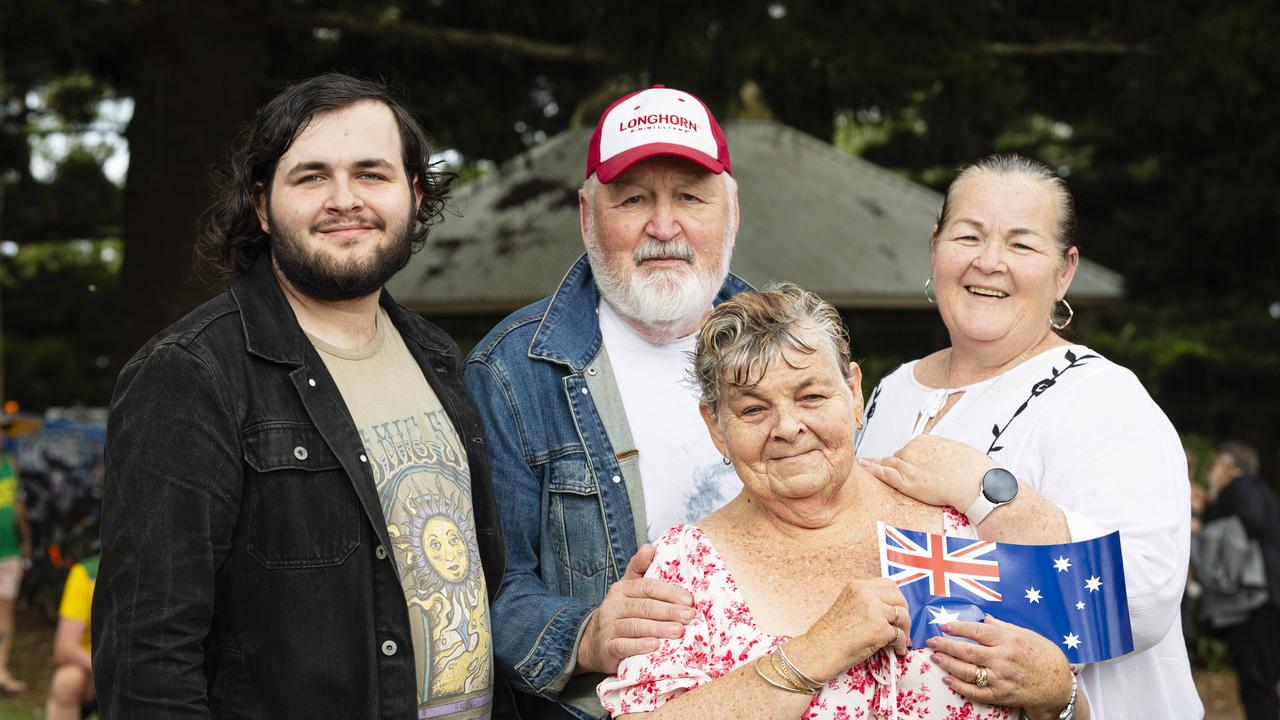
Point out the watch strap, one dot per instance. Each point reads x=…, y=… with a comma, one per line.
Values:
x=979, y=509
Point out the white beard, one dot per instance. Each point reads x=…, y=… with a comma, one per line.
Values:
x=658, y=298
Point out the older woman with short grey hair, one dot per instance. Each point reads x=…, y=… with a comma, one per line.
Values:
x=792, y=618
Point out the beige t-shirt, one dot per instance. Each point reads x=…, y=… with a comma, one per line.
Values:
x=424, y=483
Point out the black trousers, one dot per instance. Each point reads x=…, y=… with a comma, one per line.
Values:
x=1255, y=652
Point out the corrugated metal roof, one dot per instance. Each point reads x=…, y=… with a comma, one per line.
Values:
x=854, y=233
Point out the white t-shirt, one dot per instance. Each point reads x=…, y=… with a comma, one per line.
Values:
x=1086, y=435
x=683, y=475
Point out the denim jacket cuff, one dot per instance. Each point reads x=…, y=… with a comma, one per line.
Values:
x=578, y=692
x=559, y=682
x=549, y=667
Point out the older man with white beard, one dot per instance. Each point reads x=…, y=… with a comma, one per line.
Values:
x=594, y=439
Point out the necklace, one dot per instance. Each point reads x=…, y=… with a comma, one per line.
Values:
x=935, y=402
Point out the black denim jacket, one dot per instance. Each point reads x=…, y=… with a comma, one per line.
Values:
x=243, y=568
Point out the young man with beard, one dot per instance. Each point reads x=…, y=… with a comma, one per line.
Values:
x=298, y=519
x=595, y=441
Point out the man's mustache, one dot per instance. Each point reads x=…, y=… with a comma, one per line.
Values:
x=671, y=250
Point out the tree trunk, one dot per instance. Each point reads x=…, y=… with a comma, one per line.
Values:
x=200, y=74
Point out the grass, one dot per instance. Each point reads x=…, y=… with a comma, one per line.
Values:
x=30, y=660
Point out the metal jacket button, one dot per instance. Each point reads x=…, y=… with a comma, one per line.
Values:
x=380, y=552
x=300, y=453
x=389, y=647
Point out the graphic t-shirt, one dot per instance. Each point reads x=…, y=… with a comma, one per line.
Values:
x=77, y=596
x=424, y=482
x=683, y=474
x=9, y=545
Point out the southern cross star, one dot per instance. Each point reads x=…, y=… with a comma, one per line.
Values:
x=1080, y=605
x=1061, y=564
x=942, y=616
x=1033, y=595
x=1071, y=640
x=1093, y=584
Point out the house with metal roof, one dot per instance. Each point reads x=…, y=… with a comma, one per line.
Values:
x=854, y=233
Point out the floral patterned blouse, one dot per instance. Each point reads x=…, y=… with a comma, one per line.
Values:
x=723, y=636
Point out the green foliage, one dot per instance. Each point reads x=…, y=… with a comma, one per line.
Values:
x=79, y=202
x=1160, y=114
x=59, y=303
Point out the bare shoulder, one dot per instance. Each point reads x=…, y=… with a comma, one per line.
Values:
x=906, y=512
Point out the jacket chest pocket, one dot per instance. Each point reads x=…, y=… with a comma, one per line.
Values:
x=303, y=509
x=577, y=532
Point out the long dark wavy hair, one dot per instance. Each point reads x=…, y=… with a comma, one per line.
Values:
x=228, y=236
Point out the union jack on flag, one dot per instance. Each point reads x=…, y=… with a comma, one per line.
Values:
x=942, y=561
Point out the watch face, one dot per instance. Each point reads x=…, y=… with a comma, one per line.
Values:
x=999, y=485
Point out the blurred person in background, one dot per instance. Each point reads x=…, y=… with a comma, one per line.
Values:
x=1234, y=579
x=71, y=689
x=15, y=554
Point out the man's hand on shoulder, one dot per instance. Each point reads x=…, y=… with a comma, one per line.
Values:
x=636, y=614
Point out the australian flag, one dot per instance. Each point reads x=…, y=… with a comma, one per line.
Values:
x=1072, y=593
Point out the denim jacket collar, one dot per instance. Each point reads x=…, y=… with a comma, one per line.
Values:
x=271, y=329
x=570, y=331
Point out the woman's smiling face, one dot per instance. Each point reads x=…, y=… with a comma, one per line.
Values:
x=998, y=268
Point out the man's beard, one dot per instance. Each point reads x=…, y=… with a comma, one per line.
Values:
x=659, y=297
x=316, y=274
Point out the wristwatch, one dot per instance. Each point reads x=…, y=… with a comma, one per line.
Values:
x=999, y=487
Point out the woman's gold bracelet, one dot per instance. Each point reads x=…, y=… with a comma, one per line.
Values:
x=789, y=686
x=807, y=681
x=782, y=672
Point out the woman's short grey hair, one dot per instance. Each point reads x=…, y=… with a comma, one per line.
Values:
x=748, y=333
x=1011, y=164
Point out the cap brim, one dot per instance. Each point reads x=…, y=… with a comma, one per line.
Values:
x=609, y=170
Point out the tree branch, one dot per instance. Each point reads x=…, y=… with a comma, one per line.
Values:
x=1070, y=47
x=453, y=37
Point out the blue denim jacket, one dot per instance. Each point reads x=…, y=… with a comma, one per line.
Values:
x=566, y=478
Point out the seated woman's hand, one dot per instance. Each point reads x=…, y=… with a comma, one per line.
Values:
x=869, y=614
x=1024, y=669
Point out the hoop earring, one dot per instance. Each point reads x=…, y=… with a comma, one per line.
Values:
x=1053, y=314
x=726, y=460
x=928, y=291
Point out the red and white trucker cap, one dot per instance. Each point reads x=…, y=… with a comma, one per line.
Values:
x=657, y=121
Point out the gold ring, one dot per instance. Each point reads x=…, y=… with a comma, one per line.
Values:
x=980, y=676
x=896, y=611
